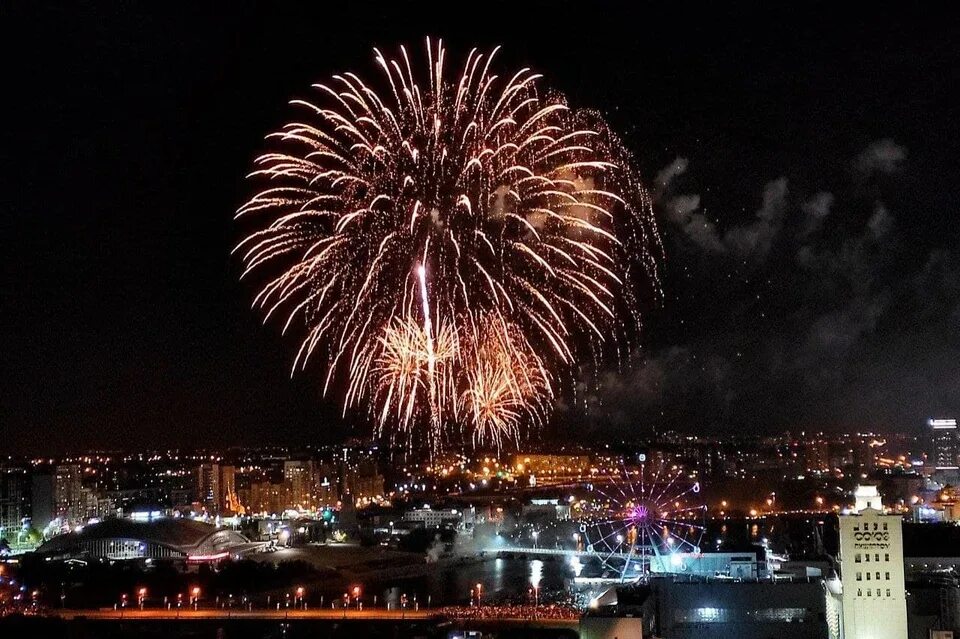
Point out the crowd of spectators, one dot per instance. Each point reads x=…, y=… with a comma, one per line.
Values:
x=511, y=611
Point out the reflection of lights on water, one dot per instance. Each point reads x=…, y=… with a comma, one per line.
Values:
x=576, y=565
x=536, y=573
x=499, y=572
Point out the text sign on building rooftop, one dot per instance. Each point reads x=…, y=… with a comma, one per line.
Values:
x=942, y=423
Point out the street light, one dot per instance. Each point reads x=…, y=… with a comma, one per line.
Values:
x=299, y=600
x=356, y=596
x=479, y=593
x=141, y=595
x=535, y=535
x=196, y=596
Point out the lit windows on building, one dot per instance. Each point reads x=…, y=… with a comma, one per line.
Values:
x=870, y=539
x=943, y=443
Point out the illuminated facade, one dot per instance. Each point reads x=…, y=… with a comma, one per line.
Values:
x=68, y=498
x=217, y=487
x=228, y=488
x=14, y=500
x=943, y=439
x=542, y=464
x=430, y=518
x=124, y=540
x=871, y=564
x=299, y=474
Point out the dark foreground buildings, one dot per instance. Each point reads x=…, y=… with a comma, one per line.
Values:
x=693, y=608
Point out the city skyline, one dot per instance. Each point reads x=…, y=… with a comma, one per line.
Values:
x=831, y=532
x=810, y=277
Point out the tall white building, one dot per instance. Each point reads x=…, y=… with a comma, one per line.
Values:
x=68, y=496
x=943, y=444
x=871, y=565
x=867, y=497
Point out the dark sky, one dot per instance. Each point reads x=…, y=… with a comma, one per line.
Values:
x=804, y=166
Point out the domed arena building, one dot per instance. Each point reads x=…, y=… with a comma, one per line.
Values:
x=162, y=539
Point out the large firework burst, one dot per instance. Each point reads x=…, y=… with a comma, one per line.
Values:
x=448, y=248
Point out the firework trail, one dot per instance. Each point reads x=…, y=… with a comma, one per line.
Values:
x=448, y=249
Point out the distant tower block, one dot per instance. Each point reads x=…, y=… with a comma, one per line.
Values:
x=943, y=444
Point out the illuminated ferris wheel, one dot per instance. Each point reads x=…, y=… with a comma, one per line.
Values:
x=647, y=520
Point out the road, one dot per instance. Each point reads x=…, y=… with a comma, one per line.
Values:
x=376, y=614
x=220, y=613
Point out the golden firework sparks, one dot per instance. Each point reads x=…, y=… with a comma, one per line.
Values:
x=447, y=247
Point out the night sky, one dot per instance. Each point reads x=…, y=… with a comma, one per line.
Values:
x=804, y=167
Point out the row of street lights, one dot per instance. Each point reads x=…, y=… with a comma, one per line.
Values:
x=353, y=597
x=142, y=597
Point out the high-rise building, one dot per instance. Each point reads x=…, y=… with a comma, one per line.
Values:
x=217, y=488
x=14, y=502
x=943, y=443
x=299, y=475
x=68, y=498
x=363, y=481
x=267, y=497
x=208, y=487
x=871, y=566
x=325, y=485
x=816, y=455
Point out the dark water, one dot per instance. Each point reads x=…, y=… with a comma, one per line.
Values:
x=501, y=580
x=510, y=579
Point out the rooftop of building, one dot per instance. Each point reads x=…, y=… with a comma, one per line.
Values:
x=182, y=534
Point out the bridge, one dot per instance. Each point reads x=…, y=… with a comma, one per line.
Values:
x=559, y=552
x=487, y=616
